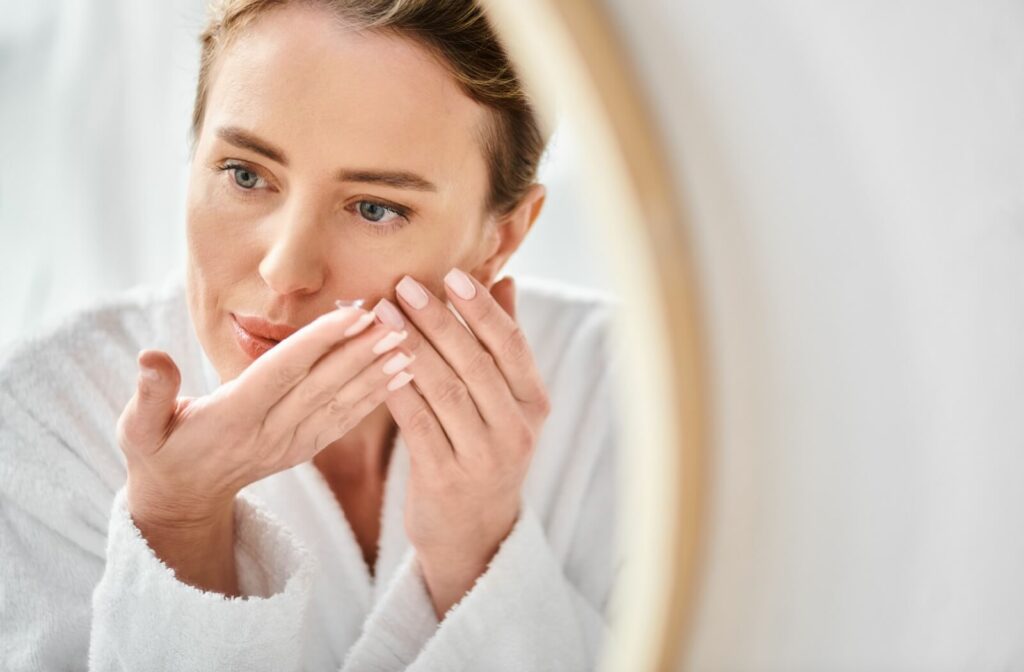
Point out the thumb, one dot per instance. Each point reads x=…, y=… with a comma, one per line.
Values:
x=155, y=400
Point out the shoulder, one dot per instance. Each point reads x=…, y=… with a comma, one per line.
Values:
x=63, y=386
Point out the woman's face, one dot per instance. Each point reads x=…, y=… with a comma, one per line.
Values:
x=330, y=164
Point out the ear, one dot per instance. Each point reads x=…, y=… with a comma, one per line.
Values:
x=508, y=233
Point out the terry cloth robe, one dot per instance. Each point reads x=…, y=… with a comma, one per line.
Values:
x=80, y=588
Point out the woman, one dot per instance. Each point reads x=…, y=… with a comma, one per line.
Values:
x=246, y=470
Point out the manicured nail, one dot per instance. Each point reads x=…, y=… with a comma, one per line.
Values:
x=412, y=292
x=460, y=283
x=398, y=381
x=360, y=325
x=388, y=341
x=397, y=363
x=342, y=303
x=389, y=314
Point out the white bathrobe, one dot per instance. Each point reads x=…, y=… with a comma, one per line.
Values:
x=80, y=588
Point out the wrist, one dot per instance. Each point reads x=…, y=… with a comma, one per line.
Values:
x=181, y=515
x=451, y=571
x=198, y=545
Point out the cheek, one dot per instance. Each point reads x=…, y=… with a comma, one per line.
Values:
x=211, y=221
x=427, y=256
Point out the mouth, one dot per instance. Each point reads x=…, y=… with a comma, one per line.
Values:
x=253, y=344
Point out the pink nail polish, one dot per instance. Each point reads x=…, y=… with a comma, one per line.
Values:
x=389, y=314
x=388, y=341
x=398, y=381
x=412, y=292
x=360, y=325
x=460, y=284
x=398, y=362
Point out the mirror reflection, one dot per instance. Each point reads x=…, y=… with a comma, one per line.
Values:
x=356, y=411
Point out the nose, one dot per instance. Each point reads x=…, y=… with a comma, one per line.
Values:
x=294, y=259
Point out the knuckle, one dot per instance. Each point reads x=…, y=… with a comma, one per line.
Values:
x=339, y=408
x=289, y=375
x=452, y=391
x=420, y=423
x=481, y=367
x=543, y=404
x=313, y=395
x=521, y=440
x=439, y=321
x=515, y=348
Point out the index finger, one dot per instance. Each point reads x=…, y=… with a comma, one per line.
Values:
x=499, y=333
x=284, y=366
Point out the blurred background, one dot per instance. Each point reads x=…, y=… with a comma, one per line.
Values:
x=95, y=106
x=853, y=176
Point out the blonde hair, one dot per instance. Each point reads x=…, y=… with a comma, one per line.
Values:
x=455, y=30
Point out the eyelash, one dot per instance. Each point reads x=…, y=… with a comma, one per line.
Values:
x=378, y=229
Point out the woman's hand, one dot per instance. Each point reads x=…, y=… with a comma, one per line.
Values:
x=471, y=423
x=187, y=458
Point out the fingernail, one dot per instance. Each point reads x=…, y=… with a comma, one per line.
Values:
x=399, y=380
x=389, y=314
x=388, y=341
x=360, y=325
x=412, y=292
x=150, y=374
x=397, y=363
x=460, y=283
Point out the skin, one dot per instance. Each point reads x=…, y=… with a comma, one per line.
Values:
x=277, y=234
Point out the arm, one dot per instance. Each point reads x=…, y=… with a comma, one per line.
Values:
x=79, y=582
x=528, y=605
x=522, y=614
x=144, y=615
x=543, y=602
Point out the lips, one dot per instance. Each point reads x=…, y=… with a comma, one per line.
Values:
x=256, y=337
x=262, y=329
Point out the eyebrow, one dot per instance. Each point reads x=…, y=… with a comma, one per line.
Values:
x=399, y=179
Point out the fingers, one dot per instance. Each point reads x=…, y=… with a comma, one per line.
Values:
x=449, y=396
x=334, y=373
x=467, y=357
x=425, y=437
x=278, y=371
x=143, y=425
x=500, y=335
x=350, y=404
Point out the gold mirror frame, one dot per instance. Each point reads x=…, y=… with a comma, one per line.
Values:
x=570, y=47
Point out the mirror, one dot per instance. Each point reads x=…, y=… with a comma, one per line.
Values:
x=189, y=246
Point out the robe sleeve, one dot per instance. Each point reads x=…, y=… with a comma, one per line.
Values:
x=544, y=603
x=81, y=588
x=521, y=614
x=533, y=608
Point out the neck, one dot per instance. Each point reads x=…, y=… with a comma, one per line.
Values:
x=361, y=455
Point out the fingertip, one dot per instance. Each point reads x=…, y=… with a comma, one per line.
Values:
x=401, y=379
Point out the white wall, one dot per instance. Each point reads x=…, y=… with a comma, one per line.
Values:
x=95, y=105
x=856, y=171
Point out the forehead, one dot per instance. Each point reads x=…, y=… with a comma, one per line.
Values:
x=324, y=92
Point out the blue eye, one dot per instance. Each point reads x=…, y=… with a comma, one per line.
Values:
x=377, y=212
x=244, y=177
